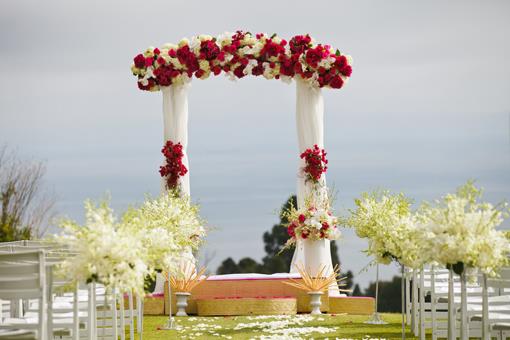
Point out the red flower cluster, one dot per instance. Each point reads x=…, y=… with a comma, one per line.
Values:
x=173, y=169
x=240, y=55
x=315, y=163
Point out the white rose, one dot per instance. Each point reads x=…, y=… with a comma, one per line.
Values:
x=183, y=42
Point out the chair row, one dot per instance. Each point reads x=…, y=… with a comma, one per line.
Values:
x=479, y=307
x=37, y=304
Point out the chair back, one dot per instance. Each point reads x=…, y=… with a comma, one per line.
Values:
x=502, y=281
x=22, y=275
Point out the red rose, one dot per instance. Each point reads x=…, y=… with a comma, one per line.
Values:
x=174, y=168
x=299, y=43
x=271, y=49
x=290, y=231
x=216, y=70
x=340, y=61
x=347, y=70
x=156, y=51
x=315, y=163
x=244, y=61
x=139, y=61
x=302, y=218
x=258, y=70
x=304, y=235
x=209, y=50
x=336, y=82
x=199, y=73
x=239, y=71
x=149, y=61
x=313, y=56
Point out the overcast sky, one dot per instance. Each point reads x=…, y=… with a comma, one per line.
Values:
x=427, y=106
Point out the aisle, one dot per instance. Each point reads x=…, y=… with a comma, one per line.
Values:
x=263, y=327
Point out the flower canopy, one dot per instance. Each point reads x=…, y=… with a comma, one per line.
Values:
x=241, y=54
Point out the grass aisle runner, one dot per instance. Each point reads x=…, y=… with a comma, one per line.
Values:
x=301, y=326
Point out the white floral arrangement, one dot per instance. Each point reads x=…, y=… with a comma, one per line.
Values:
x=392, y=231
x=106, y=254
x=121, y=254
x=167, y=226
x=464, y=231
x=313, y=222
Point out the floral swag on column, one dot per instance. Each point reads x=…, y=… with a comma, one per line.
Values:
x=313, y=65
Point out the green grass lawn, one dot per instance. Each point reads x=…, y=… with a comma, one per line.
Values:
x=274, y=327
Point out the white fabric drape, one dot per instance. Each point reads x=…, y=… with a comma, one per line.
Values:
x=310, y=131
x=175, y=122
x=175, y=129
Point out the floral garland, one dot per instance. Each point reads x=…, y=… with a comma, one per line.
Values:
x=315, y=163
x=311, y=222
x=173, y=169
x=241, y=54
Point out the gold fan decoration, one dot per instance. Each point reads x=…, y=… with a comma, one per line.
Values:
x=186, y=280
x=319, y=283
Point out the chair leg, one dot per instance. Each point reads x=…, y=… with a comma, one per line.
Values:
x=122, y=318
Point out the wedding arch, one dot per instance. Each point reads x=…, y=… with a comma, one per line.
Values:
x=313, y=66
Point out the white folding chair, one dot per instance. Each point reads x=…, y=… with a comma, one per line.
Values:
x=90, y=313
x=495, y=311
x=23, y=276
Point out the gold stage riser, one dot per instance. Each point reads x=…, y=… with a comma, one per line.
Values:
x=359, y=305
x=246, y=289
x=152, y=305
x=246, y=306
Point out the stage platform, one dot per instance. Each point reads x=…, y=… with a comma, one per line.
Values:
x=264, y=292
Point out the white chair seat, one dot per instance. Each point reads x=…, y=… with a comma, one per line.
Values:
x=9, y=334
x=493, y=316
x=501, y=326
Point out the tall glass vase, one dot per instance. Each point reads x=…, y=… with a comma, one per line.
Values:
x=464, y=327
x=452, y=319
x=170, y=321
x=403, y=305
x=486, y=334
x=375, y=319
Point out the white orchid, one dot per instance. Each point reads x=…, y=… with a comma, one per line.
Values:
x=121, y=254
x=105, y=253
x=392, y=231
x=464, y=230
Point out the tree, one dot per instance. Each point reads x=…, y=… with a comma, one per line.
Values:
x=390, y=298
x=356, y=291
x=248, y=265
x=25, y=209
x=228, y=266
x=276, y=260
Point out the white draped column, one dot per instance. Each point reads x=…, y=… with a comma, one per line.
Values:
x=310, y=131
x=175, y=125
x=175, y=129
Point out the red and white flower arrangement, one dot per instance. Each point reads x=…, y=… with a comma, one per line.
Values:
x=173, y=168
x=315, y=163
x=311, y=222
x=241, y=54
